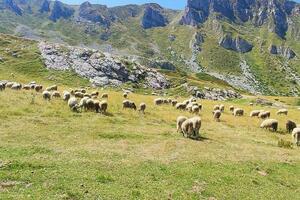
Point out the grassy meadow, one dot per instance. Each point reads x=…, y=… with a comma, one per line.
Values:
x=48, y=152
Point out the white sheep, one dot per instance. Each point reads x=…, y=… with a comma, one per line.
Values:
x=52, y=88
x=16, y=86
x=103, y=106
x=255, y=113
x=222, y=108
x=66, y=95
x=83, y=104
x=282, y=112
x=270, y=124
x=73, y=104
x=195, y=109
x=296, y=136
x=38, y=88
x=78, y=94
x=216, y=107
x=180, y=106
x=179, y=122
x=26, y=87
x=191, y=127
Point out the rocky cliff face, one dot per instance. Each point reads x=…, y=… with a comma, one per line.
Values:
x=236, y=44
x=95, y=13
x=153, y=17
x=258, y=12
x=60, y=10
x=282, y=51
x=45, y=7
x=13, y=6
x=101, y=69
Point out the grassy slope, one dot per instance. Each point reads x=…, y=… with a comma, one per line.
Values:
x=50, y=153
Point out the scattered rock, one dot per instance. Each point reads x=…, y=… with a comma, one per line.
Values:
x=101, y=69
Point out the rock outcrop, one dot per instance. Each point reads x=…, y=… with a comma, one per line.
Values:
x=45, y=7
x=286, y=52
x=60, y=10
x=13, y=6
x=101, y=69
x=153, y=16
x=95, y=13
x=216, y=94
x=258, y=12
x=236, y=44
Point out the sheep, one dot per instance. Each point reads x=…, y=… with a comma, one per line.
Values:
x=191, y=127
x=2, y=86
x=9, y=84
x=103, y=106
x=290, y=125
x=179, y=122
x=129, y=104
x=81, y=90
x=282, y=111
x=189, y=107
x=83, y=104
x=270, y=124
x=217, y=114
x=296, y=136
x=95, y=94
x=169, y=100
x=238, y=112
x=186, y=102
x=255, y=113
x=16, y=86
x=158, y=101
x=90, y=106
x=216, y=107
x=55, y=94
x=174, y=102
x=125, y=95
x=187, y=128
x=196, y=127
x=66, y=95
x=165, y=101
x=96, y=105
x=26, y=87
x=264, y=115
x=38, y=88
x=87, y=95
x=73, y=104
x=231, y=108
x=195, y=109
x=79, y=94
x=250, y=104
x=52, y=88
x=46, y=95
x=222, y=108
x=180, y=106
x=104, y=96
x=142, y=108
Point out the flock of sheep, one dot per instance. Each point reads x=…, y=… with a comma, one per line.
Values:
x=79, y=100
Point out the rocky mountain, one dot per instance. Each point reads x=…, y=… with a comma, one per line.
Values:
x=257, y=12
x=250, y=44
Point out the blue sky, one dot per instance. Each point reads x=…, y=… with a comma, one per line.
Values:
x=175, y=4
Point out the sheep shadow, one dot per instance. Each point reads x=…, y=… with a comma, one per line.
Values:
x=107, y=114
x=200, y=138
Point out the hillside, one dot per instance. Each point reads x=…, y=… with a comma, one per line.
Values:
x=49, y=152
x=260, y=47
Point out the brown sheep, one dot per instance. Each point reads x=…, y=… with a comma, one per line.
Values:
x=231, y=108
x=129, y=104
x=55, y=94
x=290, y=125
x=142, y=108
x=38, y=88
x=104, y=96
x=296, y=136
x=238, y=112
x=217, y=114
x=264, y=115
